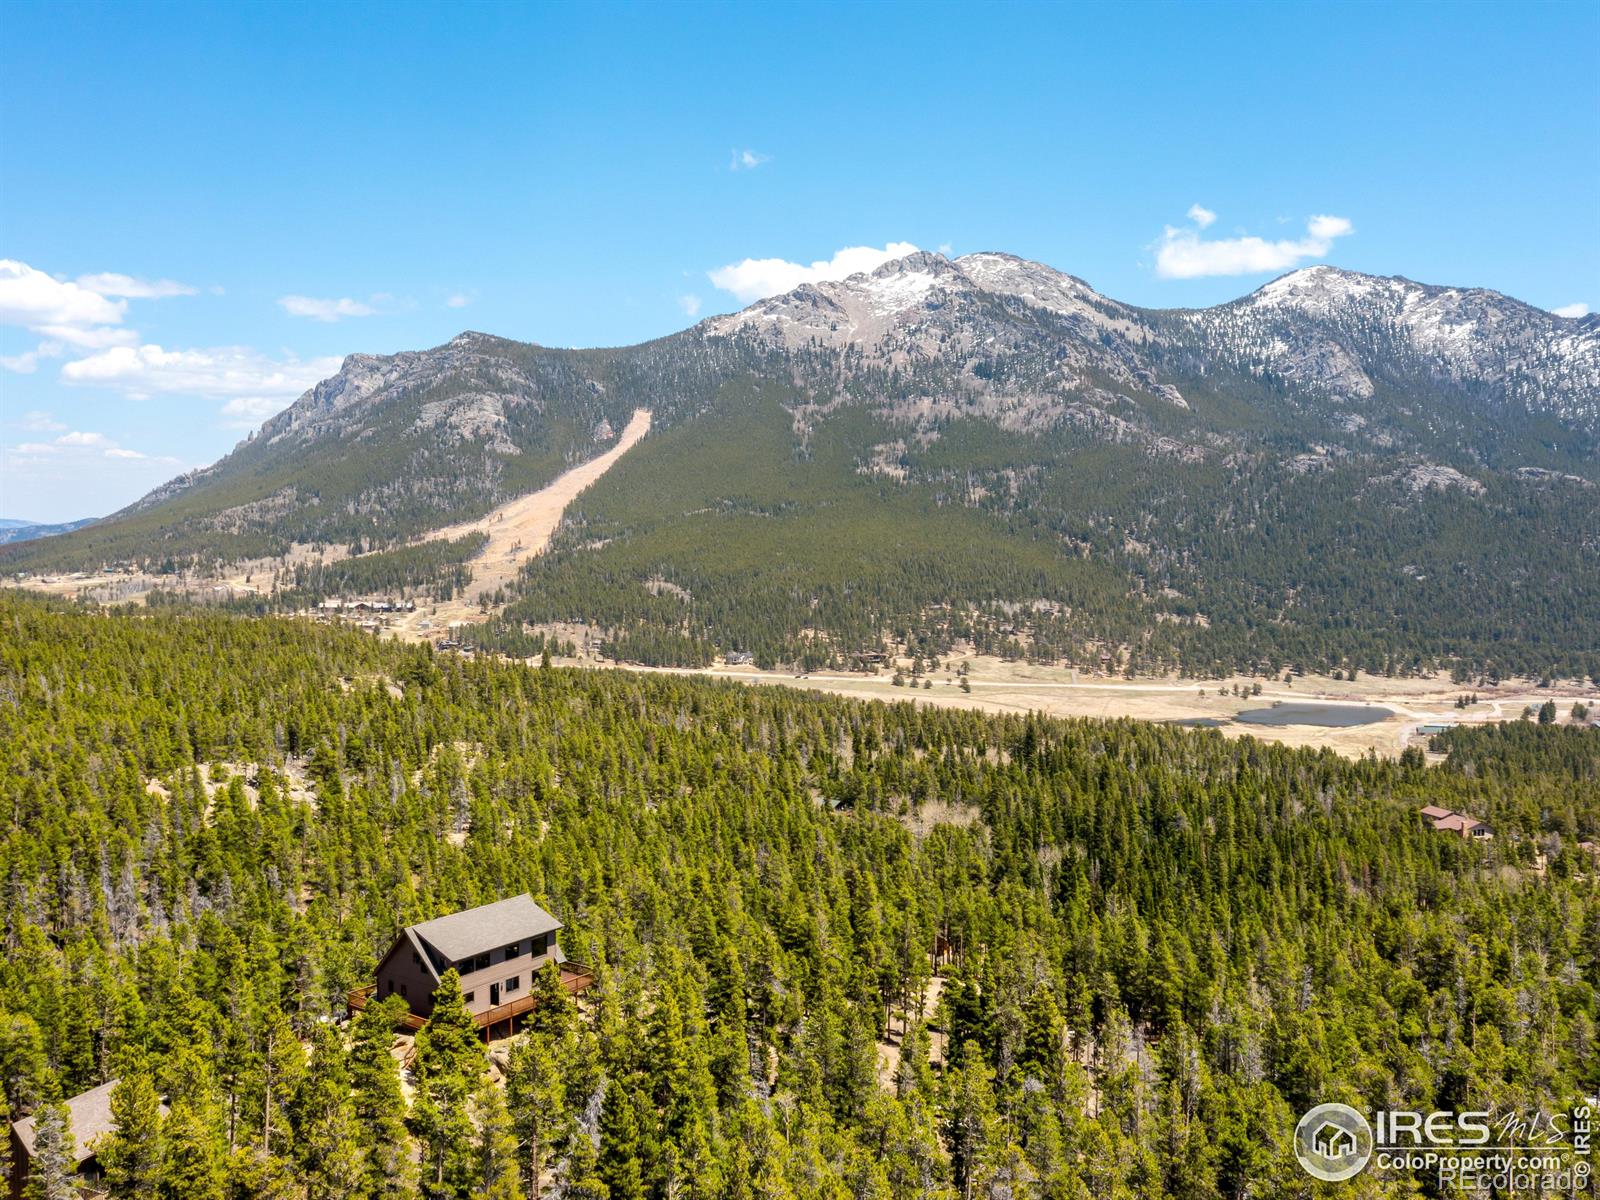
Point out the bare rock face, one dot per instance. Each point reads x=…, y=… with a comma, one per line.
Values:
x=992, y=334
x=1336, y=331
x=1426, y=477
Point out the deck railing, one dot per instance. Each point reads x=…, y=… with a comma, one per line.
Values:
x=575, y=978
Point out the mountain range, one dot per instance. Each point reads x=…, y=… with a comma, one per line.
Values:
x=1337, y=471
x=12, y=530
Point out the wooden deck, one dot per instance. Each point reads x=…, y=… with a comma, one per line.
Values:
x=575, y=977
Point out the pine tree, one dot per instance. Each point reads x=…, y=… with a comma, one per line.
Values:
x=583, y=1181
x=536, y=1089
x=620, y=1165
x=379, y=1103
x=969, y=1116
x=5, y=1140
x=193, y=1167
x=131, y=1154
x=450, y=1065
x=328, y=1147
x=53, y=1165
x=554, y=1012
x=499, y=1174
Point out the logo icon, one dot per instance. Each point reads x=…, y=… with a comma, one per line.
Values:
x=1333, y=1142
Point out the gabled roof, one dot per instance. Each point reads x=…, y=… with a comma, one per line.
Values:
x=1433, y=812
x=90, y=1115
x=479, y=930
x=1457, y=822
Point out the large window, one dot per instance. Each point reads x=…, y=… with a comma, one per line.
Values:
x=514, y=949
x=513, y=983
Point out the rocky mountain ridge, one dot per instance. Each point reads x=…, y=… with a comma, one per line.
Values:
x=987, y=382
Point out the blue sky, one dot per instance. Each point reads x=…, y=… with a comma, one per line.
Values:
x=203, y=207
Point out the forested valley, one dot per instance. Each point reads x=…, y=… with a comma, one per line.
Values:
x=842, y=949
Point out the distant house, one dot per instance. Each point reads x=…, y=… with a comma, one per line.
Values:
x=1446, y=821
x=89, y=1118
x=738, y=658
x=496, y=949
x=1436, y=727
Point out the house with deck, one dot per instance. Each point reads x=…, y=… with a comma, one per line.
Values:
x=496, y=949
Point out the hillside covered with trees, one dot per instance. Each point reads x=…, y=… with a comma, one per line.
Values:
x=843, y=950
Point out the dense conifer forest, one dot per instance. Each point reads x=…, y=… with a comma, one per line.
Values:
x=804, y=550
x=843, y=950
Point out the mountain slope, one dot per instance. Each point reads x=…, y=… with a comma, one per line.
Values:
x=27, y=531
x=1336, y=469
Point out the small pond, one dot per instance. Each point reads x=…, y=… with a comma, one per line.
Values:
x=1332, y=716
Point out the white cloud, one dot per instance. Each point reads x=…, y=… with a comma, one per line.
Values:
x=1201, y=216
x=1571, y=310
x=458, y=300
x=98, y=338
x=234, y=371
x=748, y=160
x=1184, y=254
x=76, y=444
x=23, y=364
x=1327, y=228
x=80, y=474
x=109, y=283
x=86, y=313
x=756, y=278
x=690, y=305
x=30, y=298
x=327, y=310
x=247, y=412
x=75, y=438
x=39, y=421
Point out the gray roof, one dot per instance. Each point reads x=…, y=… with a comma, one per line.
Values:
x=478, y=930
x=91, y=1119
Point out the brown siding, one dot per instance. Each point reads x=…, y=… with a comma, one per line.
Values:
x=400, y=974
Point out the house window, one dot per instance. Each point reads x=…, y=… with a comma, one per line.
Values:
x=402, y=989
x=514, y=949
x=469, y=997
x=513, y=983
x=416, y=959
x=483, y=961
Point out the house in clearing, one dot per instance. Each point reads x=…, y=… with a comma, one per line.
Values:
x=89, y=1120
x=495, y=948
x=1446, y=821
